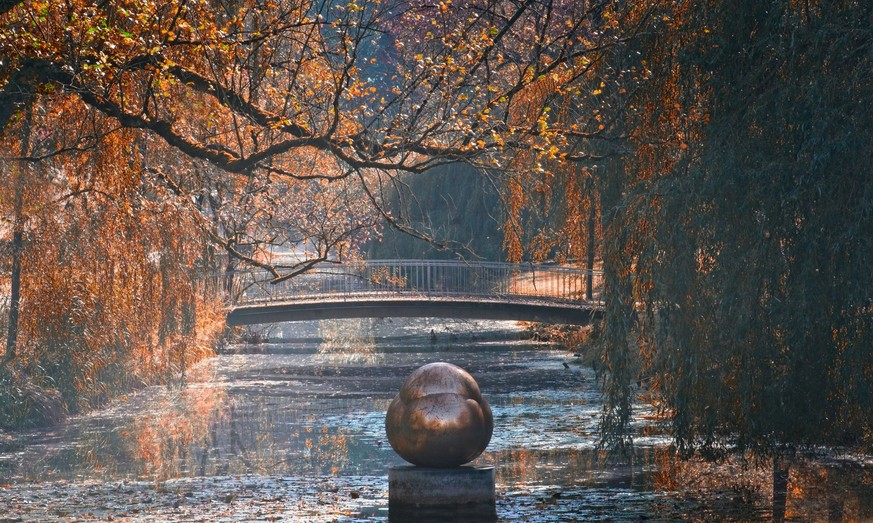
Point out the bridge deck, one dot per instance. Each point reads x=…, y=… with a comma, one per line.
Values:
x=394, y=306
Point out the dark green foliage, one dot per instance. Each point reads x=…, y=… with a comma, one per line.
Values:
x=753, y=246
x=455, y=205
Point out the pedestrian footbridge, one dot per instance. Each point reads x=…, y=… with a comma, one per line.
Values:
x=421, y=288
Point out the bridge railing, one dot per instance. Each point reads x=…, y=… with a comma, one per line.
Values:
x=430, y=278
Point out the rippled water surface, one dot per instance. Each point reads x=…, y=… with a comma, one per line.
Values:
x=294, y=431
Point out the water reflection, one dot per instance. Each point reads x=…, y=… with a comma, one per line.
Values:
x=165, y=440
x=310, y=411
x=349, y=337
x=820, y=493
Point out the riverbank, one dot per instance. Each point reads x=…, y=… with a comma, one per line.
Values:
x=39, y=388
x=26, y=404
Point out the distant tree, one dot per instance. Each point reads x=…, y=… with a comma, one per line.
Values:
x=455, y=209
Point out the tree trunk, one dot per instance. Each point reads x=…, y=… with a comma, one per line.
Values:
x=780, y=488
x=229, y=270
x=589, y=265
x=17, y=239
x=15, y=294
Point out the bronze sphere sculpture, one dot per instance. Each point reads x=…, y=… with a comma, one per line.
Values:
x=439, y=418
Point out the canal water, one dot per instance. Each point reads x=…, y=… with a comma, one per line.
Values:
x=294, y=431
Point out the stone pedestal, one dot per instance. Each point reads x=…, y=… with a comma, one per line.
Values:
x=441, y=494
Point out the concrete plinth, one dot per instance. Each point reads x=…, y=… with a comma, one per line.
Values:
x=440, y=494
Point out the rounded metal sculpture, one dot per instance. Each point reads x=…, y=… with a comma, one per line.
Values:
x=439, y=418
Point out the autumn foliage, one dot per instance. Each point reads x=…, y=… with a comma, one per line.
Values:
x=713, y=156
x=114, y=284
x=149, y=143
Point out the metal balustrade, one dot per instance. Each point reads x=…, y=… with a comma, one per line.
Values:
x=423, y=278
